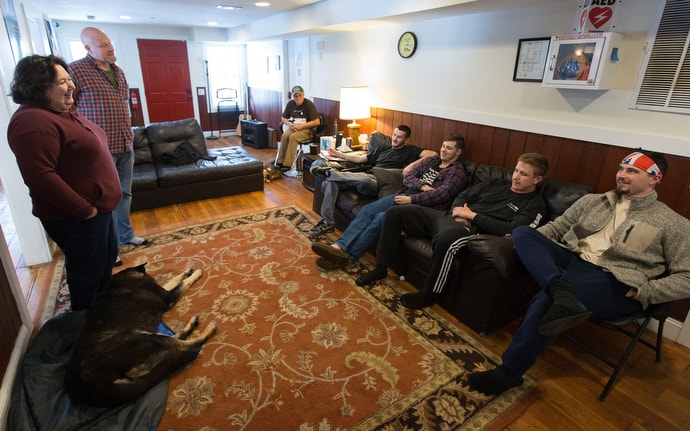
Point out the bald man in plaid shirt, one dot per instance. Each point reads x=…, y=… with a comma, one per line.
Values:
x=102, y=96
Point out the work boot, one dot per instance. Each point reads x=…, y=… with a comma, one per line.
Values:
x=566, y=311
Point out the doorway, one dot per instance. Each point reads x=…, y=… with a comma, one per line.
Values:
x=168, y=89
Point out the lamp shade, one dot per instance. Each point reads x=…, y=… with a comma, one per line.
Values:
x=354, y=102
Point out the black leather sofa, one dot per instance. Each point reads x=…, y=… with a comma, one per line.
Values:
x=489, y=287
x=155, y=184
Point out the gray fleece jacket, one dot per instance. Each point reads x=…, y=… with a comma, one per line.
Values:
x=651, y=248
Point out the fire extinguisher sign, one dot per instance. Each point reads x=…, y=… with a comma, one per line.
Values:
x=133, y=99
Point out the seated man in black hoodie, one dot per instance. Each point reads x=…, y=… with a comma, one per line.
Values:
x=495, y=207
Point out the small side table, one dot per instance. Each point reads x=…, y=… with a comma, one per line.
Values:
x=307, y=177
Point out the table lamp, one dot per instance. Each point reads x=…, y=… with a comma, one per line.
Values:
x=354, y=105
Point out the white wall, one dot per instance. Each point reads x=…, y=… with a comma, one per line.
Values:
x=261, y=70
x=463, y=70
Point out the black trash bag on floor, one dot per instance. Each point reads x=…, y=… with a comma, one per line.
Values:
x=40, y=402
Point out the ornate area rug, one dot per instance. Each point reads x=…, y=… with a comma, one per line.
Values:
x=302, y=349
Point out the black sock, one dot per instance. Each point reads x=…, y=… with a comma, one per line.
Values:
x=494, y=382
x=417, y=300
x=378, y=273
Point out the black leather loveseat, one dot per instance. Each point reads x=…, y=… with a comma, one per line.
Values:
x=489, y=287
x=224, y=171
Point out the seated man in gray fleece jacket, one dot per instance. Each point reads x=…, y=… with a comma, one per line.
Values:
x=607, y=256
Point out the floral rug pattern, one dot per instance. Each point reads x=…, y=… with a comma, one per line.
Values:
x=298, y=348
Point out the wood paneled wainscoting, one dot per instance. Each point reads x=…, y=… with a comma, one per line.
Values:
x=267, y=106
x=582, y=162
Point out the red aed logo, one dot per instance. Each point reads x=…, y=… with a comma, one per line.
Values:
x=599, y=16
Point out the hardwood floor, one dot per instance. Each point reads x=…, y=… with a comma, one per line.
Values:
x=647, y=396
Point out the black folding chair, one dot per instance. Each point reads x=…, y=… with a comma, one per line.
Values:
x=641, y=319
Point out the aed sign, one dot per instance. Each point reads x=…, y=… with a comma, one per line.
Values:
x=596, y=16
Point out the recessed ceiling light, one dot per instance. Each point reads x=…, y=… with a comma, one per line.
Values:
x=262, y=4
x=228, y=7
x=125, y=17
x=212, y=23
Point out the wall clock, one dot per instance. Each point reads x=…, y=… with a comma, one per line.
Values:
x=407, y=44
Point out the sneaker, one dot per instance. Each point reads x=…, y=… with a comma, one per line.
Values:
x=137, y=241
x=321, y=228
x=118, y=262
x=321, y=170
x=293, y=173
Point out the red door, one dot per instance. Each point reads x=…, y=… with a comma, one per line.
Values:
x=168, y=89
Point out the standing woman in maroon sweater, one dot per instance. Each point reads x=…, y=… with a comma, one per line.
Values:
x=65, y=162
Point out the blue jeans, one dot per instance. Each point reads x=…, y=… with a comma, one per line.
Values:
x=124, y=162
x=365, y=229
x=363, y=182
x=90, y=248
x=547, y=262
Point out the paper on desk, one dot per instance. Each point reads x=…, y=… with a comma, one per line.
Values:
x=324, y=155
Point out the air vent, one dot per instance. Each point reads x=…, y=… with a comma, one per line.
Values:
x=664, y=82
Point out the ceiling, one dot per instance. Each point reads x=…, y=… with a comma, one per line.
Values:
x=187, y=13
x=198, y=13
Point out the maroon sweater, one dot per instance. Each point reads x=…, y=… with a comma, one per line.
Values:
x=65, y=161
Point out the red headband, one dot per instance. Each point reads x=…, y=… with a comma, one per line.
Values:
x=642, y=161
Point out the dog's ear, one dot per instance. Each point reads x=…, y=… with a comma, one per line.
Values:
x=141, y=268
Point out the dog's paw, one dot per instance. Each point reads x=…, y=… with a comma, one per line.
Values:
x=195, y=275
x=209, y=331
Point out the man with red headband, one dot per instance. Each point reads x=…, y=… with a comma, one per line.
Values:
x=608, y=255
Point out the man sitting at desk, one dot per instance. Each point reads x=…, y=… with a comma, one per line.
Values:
x=397, y=156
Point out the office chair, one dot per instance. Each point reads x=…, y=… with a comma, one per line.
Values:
x=641, y=319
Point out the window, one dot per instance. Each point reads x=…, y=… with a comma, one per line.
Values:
x=224, y=71
x=664, y=81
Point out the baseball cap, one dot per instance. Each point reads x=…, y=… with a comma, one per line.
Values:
x=297, y=89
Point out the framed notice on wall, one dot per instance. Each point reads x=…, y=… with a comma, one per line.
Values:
x=531, y=59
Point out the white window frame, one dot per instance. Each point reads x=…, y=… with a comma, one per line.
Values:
x=226, y=70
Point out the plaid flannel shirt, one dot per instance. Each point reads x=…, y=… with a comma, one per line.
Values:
x=447, y=184
x=99, y=101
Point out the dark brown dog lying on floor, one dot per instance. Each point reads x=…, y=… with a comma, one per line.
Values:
x=119, y=354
